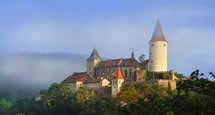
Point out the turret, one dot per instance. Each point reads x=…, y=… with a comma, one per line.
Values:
x=92, y=61
x=158, y=51
x=117, y=82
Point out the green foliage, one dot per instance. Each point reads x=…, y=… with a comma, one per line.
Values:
x=153, y=75
x=82, y=95
x=127, y=93
x=196, y=75
x=179, y=75
x=194, y=96
x=5, y=105
x=20, y=114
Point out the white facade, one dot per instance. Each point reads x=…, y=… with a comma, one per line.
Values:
x=158, y=56
x=116, y=85
x=105, y=82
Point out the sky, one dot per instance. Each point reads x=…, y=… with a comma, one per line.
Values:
x=114, y=27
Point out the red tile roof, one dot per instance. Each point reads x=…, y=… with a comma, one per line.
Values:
x=118, y=62
x=82, y=76
x=92, y=80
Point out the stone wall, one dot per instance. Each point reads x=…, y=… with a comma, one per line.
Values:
x=129, y=73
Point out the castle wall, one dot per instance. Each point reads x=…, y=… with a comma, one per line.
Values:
x=127, y=72
x=74, y=86
x=92, y=85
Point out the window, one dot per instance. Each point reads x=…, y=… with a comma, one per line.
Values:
x=130, y=73
x=135, y=75
x=164, y=45
x=126, y=73
x=151, y=61
x=152, y=45
x=95, y=72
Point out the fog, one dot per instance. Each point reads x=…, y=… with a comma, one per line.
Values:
x=26, y=72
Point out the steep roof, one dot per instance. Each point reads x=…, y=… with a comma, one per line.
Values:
x=92, y=80
x=82, y=76
x=118, y=62
x=94, y=54
x=118, y=74
x=158, y=33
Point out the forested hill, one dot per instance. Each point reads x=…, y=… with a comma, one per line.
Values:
x=195, y=96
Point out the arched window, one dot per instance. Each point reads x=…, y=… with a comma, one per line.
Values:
x=130, y=74
x=95, y=72
x=126, y=73
x=135, y=75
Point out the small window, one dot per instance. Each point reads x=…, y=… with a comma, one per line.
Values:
x=126, y=73
x=164, y=45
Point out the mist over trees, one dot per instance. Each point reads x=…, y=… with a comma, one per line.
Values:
x=195, y=96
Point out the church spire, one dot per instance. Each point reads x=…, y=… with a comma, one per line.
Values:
x=158, y=33
x=94, y=54
x=132, y=54
x=118, y=74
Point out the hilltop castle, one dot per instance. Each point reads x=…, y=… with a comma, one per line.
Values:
x=110, y=75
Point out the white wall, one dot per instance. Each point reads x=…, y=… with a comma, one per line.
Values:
x=158, y=56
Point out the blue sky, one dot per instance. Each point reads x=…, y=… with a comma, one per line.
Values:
x=114, y=27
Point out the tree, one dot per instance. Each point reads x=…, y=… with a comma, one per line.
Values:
x=5, y=106
x=82, y=95
x=128, y=93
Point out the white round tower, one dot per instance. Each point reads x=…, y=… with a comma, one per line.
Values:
x=158, y=51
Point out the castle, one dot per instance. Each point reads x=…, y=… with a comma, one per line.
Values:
x=110, y=75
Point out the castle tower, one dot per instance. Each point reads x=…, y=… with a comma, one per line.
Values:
x=92, y=61
x=158, y=51
x=117, y=82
